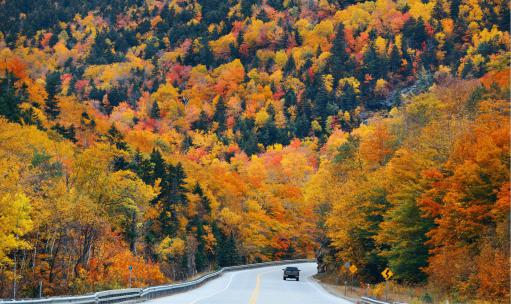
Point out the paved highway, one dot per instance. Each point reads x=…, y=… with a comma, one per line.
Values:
x=257, y=286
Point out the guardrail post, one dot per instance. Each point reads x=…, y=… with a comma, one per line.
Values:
x=14, y=274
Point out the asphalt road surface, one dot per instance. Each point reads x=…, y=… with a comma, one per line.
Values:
x=257, y=286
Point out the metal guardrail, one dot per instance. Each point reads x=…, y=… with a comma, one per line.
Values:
x=368, y=300
x=118, y=295
x=134, y=295
x=84, y=299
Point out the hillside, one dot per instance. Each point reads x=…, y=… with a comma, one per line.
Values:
x=179, y=136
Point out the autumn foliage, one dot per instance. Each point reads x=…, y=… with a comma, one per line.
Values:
x=177, y=137
x=433, y=202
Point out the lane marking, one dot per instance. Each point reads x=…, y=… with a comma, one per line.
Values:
x=255, y=293
x=217, y=292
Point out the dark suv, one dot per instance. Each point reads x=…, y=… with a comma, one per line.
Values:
x=291, y=272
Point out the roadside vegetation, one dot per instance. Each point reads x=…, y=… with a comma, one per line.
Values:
x=175, y=137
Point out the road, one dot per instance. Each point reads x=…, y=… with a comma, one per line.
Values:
x=257, y=286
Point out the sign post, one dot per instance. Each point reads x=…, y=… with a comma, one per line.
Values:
x=130, y=268
x=353, y=269
x=387, y=273
x=347, y=267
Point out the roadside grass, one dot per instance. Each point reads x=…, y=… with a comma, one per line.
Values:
x=393, y=292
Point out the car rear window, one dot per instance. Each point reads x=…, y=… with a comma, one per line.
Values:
x=291, y=268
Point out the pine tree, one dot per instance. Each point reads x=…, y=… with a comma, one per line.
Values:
x=248, y=137
x=130, y=230
x=155, y=110
x=9, y=98
x=202, y=123
x=116, y=138
x=302, y=126
x=263, y=16
x=204, y=206
x=233, y=50
x=290, y=99
x=340, y=62
x=71, y=90
x=177, y=176
x=157, y=166
x=290, y=66
x=239, y=39
x=249, y=144
x=71, y=133
x=95, y=93
x=438, y=12
x=220, y=115
x=395, y=59
x=276, y=4
x=119, y=163
x=269, y=134
x=348, y=99
x=201, y=259
x=101, y=51
x=408, y=68
x=408, y=254
x=232, y=250
x=320, y=103
x=54, y=39
x=141, y=166
x=53, y=84
x=206, y=55
x=246, y=7
x=298, y=37
x=255, y=62
x=468, y=69
x=372, y=63
x=186, y=143
x=428, y=56
x=414, y=32
x=306, y=65
x=116, y=96
x=455, y=9
x=172, y=195
x=227, y=251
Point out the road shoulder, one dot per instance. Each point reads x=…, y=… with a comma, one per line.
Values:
x=334, y=290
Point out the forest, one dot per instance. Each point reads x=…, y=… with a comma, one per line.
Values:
x=180, y=136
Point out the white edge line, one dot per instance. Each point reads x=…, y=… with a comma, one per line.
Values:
x=217, y=292
x=325, y=293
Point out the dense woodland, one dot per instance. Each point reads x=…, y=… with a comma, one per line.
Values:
x=179, y=136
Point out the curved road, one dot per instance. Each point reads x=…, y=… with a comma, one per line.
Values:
x=261, y=285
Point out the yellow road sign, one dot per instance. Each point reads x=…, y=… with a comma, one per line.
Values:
x=387, y=273
x=353, y=269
